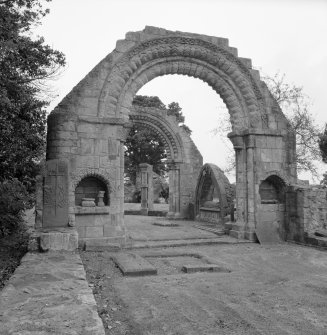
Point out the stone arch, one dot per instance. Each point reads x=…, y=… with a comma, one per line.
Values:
x=203, y=57
x=78, y=177
x=215, y=176
x=271, y=209
x=172, y=146
x=183, y=158
x=91, y=123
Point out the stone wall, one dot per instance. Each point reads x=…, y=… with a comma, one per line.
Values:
x=306, y=212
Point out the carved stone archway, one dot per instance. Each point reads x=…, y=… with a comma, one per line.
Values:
x=183, y=158
x=90, y=125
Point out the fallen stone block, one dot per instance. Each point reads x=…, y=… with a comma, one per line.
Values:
x=133, y=265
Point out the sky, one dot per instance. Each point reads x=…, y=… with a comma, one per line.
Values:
x=286, y=36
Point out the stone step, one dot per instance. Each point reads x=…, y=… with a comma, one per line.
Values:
x=184, y=243
x=218, y=231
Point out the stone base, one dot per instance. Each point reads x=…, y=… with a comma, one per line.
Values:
x=53, y=239
x=238, y=231
x=144, y=211
x=101, y=243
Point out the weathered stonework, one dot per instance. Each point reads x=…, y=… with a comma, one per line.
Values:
x=213, y=195
x=89, y=126
x=183, y=158
x=306, y=213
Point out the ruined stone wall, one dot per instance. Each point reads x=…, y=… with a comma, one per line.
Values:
x=91, y=123
x=306, y=212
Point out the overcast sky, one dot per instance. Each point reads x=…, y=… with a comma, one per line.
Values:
x=289, y=36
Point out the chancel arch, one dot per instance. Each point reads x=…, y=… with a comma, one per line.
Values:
x=90, y=125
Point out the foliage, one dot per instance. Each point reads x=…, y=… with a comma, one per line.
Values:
x=323, y=182
x=148, y=101
x=14, y=198
x=25, y=63
x=295, y=106
x=323, y=144
x=145, y=146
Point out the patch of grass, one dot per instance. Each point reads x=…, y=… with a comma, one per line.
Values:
x=12, y=248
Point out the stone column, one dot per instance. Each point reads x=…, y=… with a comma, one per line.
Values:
x=146, y=188
x=251, y=196
x=174, y=191
x=241, y=187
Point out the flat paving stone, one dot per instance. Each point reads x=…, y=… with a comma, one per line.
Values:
x=190, y=268
x=133, y=265
x=49, y=294
x=166, y=224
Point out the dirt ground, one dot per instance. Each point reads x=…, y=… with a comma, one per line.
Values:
x=270, y=290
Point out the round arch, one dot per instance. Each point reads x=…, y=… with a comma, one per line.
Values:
x=91, y=123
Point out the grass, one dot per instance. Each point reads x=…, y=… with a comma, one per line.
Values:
x=12, y=249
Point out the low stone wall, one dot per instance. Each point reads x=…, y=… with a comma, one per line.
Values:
x=306, y=211
x=314, y=209
x=96, y=222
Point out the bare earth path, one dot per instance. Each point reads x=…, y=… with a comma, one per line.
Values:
x=270, y=290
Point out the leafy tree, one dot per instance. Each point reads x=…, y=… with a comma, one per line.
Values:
x=295, y=106
x=144, y=146
x=323, y=144
x=25, y=63
x=148, y=101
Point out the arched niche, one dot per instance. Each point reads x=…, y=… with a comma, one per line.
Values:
x=89, y=187
x=272, y=190
x=271, y=210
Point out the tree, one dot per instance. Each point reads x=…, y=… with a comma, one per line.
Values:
x=323, y=144
x=295, y=105
x=26, y=62
x=145, y=146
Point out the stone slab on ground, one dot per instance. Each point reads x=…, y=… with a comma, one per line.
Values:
x=49, y=294
x=133, y=265
x=165, y=224
x=190, y=268
x=267, y=233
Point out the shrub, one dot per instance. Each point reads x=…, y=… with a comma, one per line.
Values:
x=14, y=199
